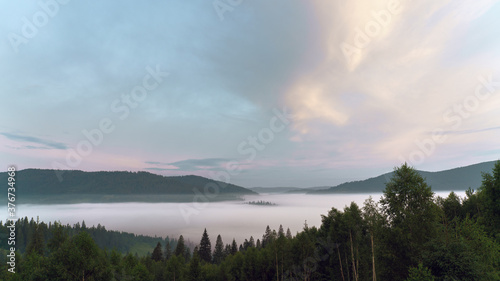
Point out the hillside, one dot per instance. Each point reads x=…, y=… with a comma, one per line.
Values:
x=36, y=185
x=262, y=190
x=457, y=179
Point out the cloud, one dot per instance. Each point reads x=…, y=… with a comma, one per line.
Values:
x=46, y=144
x=404, y=71
x=190, y=164
x=463, y=132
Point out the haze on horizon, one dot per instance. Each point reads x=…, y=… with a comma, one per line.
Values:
x=275, y=93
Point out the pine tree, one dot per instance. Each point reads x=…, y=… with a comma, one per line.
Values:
x=234, y=247
x=266, y=238
x=219, y=250
x=251, y=243
x=59, y=235
x=36, y=243
x=195, y=268
x=227, y=250
x=168, y=249
x=281, y=232
x=157, y=254
x=258, y=245
x=180, y=249
x=187, y=254
x=205, y=251
x=490, y=195
x=288, y=233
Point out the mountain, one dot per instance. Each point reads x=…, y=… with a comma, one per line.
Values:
x=39, y=186
x=287, y=190
x=458, y=179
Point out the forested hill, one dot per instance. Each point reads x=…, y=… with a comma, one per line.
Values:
x=457, y=179
x=117, y=186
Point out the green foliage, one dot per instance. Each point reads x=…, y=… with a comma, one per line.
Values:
x=80, y=258
x=234, y=247
x=168, y=249
x=420, y=273
x=174, y=268
x=218, y=255
x=205, y=251
x=490, y=196
x=195, y=273
x=141, y=273
x=157, y=253
x=411, y=215
x=180, y=249
x=36, y=243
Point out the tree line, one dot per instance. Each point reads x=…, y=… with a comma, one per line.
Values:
x=408, y=235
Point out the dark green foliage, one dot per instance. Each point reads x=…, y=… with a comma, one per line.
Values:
x=59, y=236
x=205, y=251
x=157, y=254
x=180, y=249
x=140, y=272
x=168, y=249
x=411, y=215
x=490, y=196
x=174, y=268
x=36, y=243
x=79, y=258
x=55, y=234
x=218, y=255
x=452, y=207
x=420, y=273
x=234, y=247
x=195, y=268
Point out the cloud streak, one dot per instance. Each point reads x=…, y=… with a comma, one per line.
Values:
x=189, y=164
x=46, y=144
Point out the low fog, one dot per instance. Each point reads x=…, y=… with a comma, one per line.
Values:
x=230, y=219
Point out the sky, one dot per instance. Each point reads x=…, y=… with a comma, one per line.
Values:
x=256, y=93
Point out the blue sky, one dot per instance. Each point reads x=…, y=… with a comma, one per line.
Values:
x=266, y=93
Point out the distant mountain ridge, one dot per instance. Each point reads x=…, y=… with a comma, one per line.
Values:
x=287, y=190
x=457, y=179
x=44, y=184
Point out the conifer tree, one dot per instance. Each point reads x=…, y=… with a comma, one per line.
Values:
x=490, y=195
x=281, y=232
x=157, y=253
x=227, y=250
x=219, y=250
x=234, y=247
x=266, y=238
x=180, y=249
x=251, y=243
x=205, y=251
x=36, y=243
x=195, y=273
x=168, y=249
x=59, y=235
